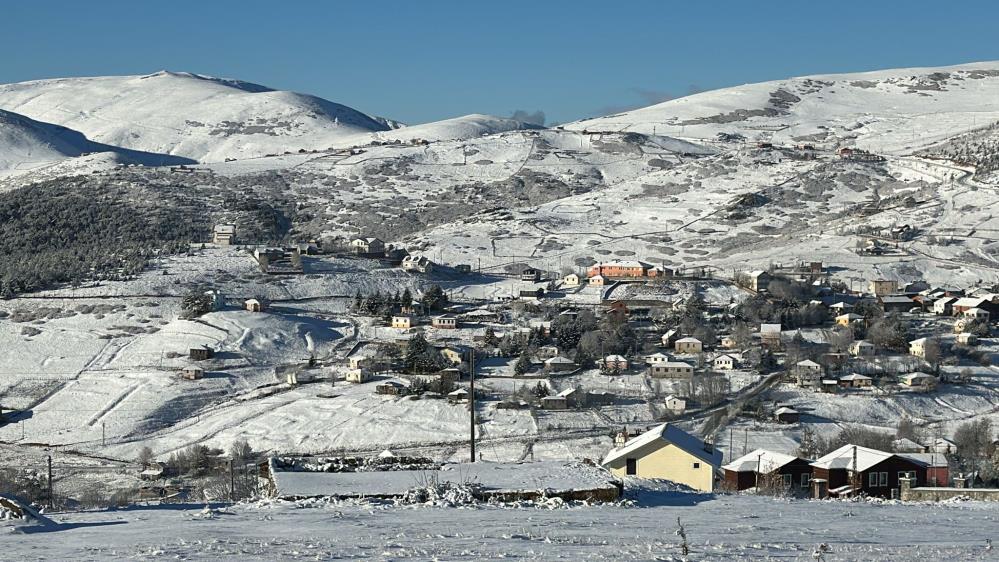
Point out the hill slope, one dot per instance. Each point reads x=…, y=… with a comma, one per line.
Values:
x=886, y=111
x=199, y=117
x=29, y=146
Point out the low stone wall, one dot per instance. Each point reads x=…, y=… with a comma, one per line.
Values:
x=942, y=494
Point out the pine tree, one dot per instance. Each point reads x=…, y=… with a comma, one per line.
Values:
x=522, y=365
x=415, y=349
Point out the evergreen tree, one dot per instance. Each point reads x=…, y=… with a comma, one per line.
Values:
x=523, y=365
x=415, y=349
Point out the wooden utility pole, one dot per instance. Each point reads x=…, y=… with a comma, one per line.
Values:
x=471, y=401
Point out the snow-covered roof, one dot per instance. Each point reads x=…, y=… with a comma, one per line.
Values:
x=919, y=341
x=677, y=364
x=843, y=458
x=905, y=443
x=762, y=459
x=657, y=356
x=688, y=340
x=725, y=356
x=615, y=358
x=970, y=302
x=785, y=410
x=855, y=377
x=808, y=363
x=932, y=460
x=756, y=273
x=915, y=376
x=566, y=393
x=558, y=360
x=769, y=328
x=674, y=397
x=668, y=434
x=623, y=263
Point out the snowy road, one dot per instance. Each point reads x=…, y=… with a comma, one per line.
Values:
x=719, y=528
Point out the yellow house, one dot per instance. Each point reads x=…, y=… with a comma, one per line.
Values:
x=669, y=453
x=402, y=322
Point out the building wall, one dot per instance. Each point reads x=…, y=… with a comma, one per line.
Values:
x=664, y=460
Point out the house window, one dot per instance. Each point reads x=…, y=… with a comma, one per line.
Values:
x=872, y=480
x=697, y=465
x=884, y=479
x=805, y=479
x=631, y=467
x=787, y=480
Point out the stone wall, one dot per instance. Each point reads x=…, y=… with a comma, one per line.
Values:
x=941, y=494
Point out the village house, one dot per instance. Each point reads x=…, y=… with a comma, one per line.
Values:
x=202, y=353
x=616, y=362
x=359, y=361
x=418, y=264
x=882, y=287
x=547, y=352
x=668, y=453
x=855, y=380
x=762, y=469
x=559, y=364
x=725, y=362
x=729, y=342
x=943, y=445
x=619, y=269
x=413, y=308
x=675, y=405
x=391, y=388
x=368, y=246
x=402, y=322
x=920, y=381
x=759, y=280
x=976, y=313
x=564, y=400
x=808, y=373
x=357, y=375
x=456, y=354
x=853, y=469
x=672, y=370
x=571, y=280
x=906, y=445
x=670, y=337
x=657, y=358
x=688, y=345
x=944, y=306
x=862, y=348
x=192, y=373
x=444, y=322
x=770, y=335
x=848, y=318
x=543, y=326
x=459, y=396
x=967, y=338
x=253, y=305
x=530, y=275
x=896, y=303
x=917, y=347
x=841, y=308
x=661, y=271
x=786, y=414
x=599, y=398
x=597, y=280
x=224, y=234
x=531, y=294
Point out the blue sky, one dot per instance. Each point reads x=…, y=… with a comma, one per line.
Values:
x=429, y=60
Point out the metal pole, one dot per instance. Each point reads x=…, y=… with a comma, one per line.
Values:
x=471, y=401
x=51, y=498
x=104, y=440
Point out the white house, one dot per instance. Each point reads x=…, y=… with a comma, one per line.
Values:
x=358, y=376
x=725, y=362
x=657, y=358
x=918, y=347
x=616, y=362
x=862, y=348
x=688, y=345
x=921, y=380
x=675, y=405
x=598, y=280
x=977, y=314
x=571, y=280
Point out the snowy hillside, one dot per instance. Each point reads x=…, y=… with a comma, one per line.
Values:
x=203, y=118
x=29, y=146
x=890, y=110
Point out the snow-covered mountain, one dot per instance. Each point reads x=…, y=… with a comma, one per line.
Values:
x=199, y=117
x=886, y=111
x=29, y=146
x=465, y=127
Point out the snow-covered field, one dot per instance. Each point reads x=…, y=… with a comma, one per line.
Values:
x=718, y=527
